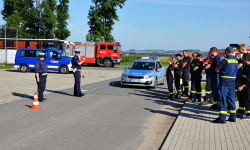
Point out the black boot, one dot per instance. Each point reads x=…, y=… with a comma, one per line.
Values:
x=171, y=97
x=185, y=93
x=191, y=96
x=214, y=106
x=178, y=96
x=199, y=97
x=195, y=97
x=210, y=101
x=205, y=101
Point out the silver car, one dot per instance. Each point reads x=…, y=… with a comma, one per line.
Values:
x=145, y=71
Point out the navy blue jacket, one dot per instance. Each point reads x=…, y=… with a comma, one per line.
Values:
x=75, y=61
x=40, y=67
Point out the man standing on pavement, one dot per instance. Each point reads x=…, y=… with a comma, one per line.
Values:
x=194, y=61
x=214, y=77
x=76, y=64
x=241, y=65
x=41, y=76
x=238, y=58
x=208, y=97
x=197, y=74
x=227, y=69
x=244, y=89
x=185, y=75
x=177, y=74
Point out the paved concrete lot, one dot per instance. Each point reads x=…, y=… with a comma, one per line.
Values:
x=193, y=130
x=15, y=85
x=108, y=117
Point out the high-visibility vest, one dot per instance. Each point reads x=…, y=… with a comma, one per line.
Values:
x=229, y=72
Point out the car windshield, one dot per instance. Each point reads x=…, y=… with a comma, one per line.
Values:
x=64, y=54
x=142, y=65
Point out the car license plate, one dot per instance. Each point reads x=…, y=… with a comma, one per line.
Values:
x=135, y=80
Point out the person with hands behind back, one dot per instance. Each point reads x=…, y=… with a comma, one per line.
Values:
x=170, y=77
x=178, y=74
x=76, y=64
x=244, y=87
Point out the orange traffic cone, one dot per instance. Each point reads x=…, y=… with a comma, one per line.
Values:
x=35, y=102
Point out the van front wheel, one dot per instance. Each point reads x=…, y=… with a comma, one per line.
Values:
x=64, y=69
x=24, y=68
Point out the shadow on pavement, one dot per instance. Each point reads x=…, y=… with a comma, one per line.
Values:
x=22, y=95
x=59, y=92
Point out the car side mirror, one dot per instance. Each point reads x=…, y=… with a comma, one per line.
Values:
x=159, y=70
x=125, y=68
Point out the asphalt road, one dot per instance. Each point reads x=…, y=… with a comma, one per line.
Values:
x=108, y=117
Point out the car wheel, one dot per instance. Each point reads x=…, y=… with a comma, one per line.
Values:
x=108, y=63
x=24, y=68
x=64, y=69
x=156, y=83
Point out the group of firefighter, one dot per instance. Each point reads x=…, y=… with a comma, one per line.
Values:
x=227, y=81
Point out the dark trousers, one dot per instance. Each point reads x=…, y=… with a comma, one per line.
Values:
x=215, y=85
x=185, y=78
x=226, y=97
x=198, y=85
x=193, y=90
x=208, y=86
x=170, y=84
x=77, y=89
x=177, y=82
x=244, y=101
x=41, y=85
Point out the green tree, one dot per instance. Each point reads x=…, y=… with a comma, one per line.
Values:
x=62, y=16
x=48, y=16
x=102, y=17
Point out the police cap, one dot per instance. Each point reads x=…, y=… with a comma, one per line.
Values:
x=41, y=54
x=229, y=49
x=77, y=51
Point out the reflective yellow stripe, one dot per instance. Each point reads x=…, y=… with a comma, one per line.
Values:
x=231, y=61
x=171, y=93
x=244, y=76
x=215, y=102
x=235, y=90
x=179, y=90
x=228, y=77
x=198, y=92
x=242, y=108
x=222, y=112
x=208, y=92
x=232, y=111
x=248, y=112
x=186, y=87
x=193, y=92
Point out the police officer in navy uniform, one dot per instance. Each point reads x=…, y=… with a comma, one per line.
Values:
x=197, y=75
x=41, y=76
x=227, y=70
x=76, y=64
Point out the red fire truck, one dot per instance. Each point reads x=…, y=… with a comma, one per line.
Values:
x=106, y=53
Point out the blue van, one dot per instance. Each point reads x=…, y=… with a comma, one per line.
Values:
x=56, y=60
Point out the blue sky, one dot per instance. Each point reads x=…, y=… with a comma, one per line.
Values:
x=170, y=24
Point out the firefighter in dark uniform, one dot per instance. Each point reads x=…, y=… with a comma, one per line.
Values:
x=214, y=77
x=241, y=65
x=170, y=77
x=208, y=98
x=41, y=76
x=227, y=70
x=192, y=65
x=76, y=64
x=177, y=74
x=197, y=74
x=244, y=89
x=185, y=75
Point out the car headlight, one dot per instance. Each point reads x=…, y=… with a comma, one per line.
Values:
x=149, y=76
x=124, y=74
